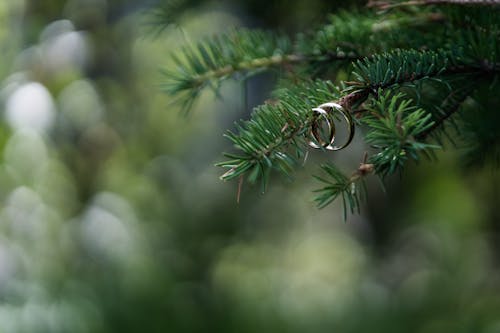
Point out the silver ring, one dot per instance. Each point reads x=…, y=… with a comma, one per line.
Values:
x=329, y=108
x=318, y=143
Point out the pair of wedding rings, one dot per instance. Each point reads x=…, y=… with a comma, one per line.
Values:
x=326, y=112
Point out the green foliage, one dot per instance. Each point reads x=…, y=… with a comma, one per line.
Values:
x=345, y=33
x=394, y=125
x=443, y=99
x=480, y=140
x=242, y=53
x=274, y=136
x=398, y=67
x=168, y=13
x=409, y=71
x=350, y=189
x=213, y=60
x=112, y=221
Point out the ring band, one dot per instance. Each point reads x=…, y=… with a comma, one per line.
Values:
x=348, y=118
x=326, y=110
x=315, y=127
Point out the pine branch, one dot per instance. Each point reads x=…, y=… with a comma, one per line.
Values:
x=448, y=107
x=167, y=14
x=400, y=67
x=351, y=189
x=275, y=127
x=479, y=122
x=240, y=52
x=215, y=59
x=403, y=66
x=385, y=5
x=243, y=52
x=394, y=125
x=420, y=53
x=274, y=136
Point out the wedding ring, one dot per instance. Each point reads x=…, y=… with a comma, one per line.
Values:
x=330, y=107
x=318, y=142
x=326, y=111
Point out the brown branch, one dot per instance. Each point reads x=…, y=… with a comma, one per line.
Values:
x=277, y=60
x=450, y=112
x=360, y=95
x=385, y=5
x=247, y=65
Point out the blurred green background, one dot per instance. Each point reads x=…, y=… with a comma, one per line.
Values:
x=112, y=217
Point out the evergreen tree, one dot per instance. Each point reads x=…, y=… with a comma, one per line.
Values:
x=410, y=76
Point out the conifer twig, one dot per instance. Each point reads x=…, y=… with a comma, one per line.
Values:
x=273, y=137
x=406, y=66
x=351, y=189
x=385, y=5
x=273, y=61
x=391, y=61
x=454, y=100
